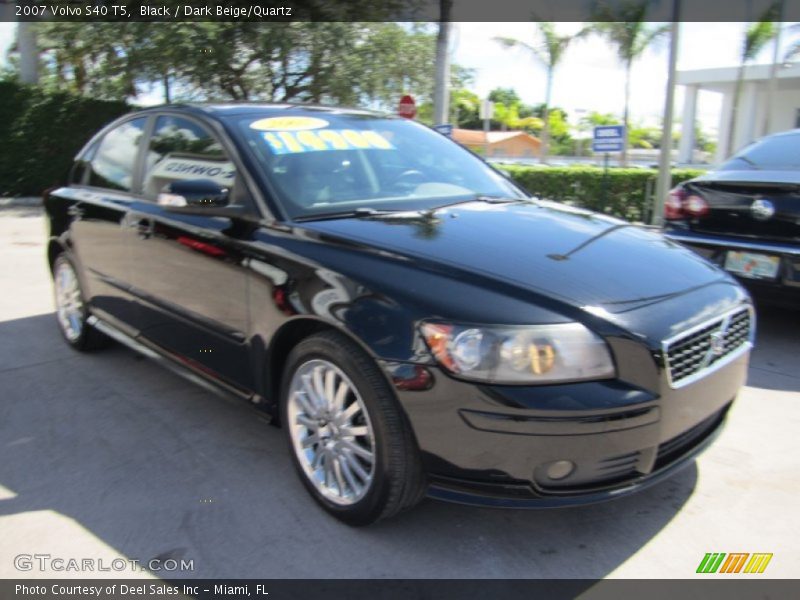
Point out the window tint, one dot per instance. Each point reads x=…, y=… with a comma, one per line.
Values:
x=115, y=160
x=181, y=149
x=777, y=152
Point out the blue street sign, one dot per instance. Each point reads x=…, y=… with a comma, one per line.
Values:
x=444, y=129
x=608, y=138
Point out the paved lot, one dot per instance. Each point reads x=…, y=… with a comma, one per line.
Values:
x=108, y=455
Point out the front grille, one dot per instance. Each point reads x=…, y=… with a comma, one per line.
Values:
x=700, y=350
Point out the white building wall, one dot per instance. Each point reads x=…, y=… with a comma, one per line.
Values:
x=786, y=105
x=724, y=127
x=751, y=116
x=746, y=116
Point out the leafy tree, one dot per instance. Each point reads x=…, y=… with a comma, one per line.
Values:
x=594, y=118
x=643, y=137
x=369, y=64
x=465, y=108
x=385, y=61
x=704, y=141
x=625, y=28
x=507, y=96
x=506, y=115
x=464, y=104
x=549, y=52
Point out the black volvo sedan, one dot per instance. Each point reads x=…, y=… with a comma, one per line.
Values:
x=415, y=322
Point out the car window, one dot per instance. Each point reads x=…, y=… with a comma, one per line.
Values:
x=114, y=162
x=776, y=152
x=343, y=162
x=182, y=149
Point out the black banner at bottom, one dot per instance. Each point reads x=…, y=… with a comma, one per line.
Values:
x=397, y=589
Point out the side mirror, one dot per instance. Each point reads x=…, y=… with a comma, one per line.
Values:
x=194, y=194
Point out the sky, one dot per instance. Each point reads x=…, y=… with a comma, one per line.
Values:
x=590, y=77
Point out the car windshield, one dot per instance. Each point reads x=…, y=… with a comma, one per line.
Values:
x=779, y=152
x=334, y=163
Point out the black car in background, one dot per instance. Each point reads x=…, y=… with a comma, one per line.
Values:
x=410, y=317
x=745, y=217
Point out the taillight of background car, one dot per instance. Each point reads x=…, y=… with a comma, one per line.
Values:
x=680, y=204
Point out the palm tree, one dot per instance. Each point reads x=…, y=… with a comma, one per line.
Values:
x=626, y=29
x=756, y=37
x=549, y=52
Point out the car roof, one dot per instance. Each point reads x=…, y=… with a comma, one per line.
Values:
x=219, y=110
x=787, y=133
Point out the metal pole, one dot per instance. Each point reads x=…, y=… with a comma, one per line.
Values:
x=486, y=138
x=665, y=159
x=773, y=73
x=604, y=193
x=441, y=93
x=28, y=53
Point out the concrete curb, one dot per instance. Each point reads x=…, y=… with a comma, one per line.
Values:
x=24, y=201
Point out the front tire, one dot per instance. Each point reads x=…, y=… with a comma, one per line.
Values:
x=349, y=439
x=71, y=310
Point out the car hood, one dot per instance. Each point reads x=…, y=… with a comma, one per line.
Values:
x=584, y=258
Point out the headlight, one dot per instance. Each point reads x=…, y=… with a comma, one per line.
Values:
x=529, y=354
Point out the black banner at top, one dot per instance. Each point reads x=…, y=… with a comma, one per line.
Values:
x=270, y=11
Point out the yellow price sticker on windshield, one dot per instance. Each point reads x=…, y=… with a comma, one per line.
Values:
x=288, y=124
x=297, y=142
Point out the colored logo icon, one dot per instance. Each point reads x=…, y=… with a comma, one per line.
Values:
x=735, y=562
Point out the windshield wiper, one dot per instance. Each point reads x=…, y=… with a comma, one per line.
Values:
x=366, y=212
x=358, y=213
x=498, y=199
x=479, y=198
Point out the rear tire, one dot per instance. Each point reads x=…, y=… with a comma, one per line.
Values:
x=348, y=437
x=71, y=310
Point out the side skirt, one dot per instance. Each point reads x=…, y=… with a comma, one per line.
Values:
x=176, y=365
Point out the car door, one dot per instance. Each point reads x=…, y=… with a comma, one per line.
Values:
x=188, y=270
x=98, y=202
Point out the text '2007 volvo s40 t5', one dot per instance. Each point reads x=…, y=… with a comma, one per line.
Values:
x=414, y=321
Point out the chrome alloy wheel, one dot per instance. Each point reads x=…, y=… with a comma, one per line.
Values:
x=331, y=432
x=69, y=305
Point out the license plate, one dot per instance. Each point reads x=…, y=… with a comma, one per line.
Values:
x=749, y=264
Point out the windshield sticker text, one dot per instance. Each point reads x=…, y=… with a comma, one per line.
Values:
x=296, y=142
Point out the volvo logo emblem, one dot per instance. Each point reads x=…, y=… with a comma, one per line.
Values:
x=717, y=342
x=762, y=209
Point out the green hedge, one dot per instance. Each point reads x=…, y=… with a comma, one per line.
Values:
x=40, y=133
x=624, y=193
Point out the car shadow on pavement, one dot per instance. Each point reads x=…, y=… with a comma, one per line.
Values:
x=108, y=453
x=773, y=364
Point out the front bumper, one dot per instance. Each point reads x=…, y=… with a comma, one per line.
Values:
x=524, y=495
x=494, y=445
x=480, y=446
x=785, y=288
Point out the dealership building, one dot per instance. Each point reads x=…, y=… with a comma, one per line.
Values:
x=760, y=112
